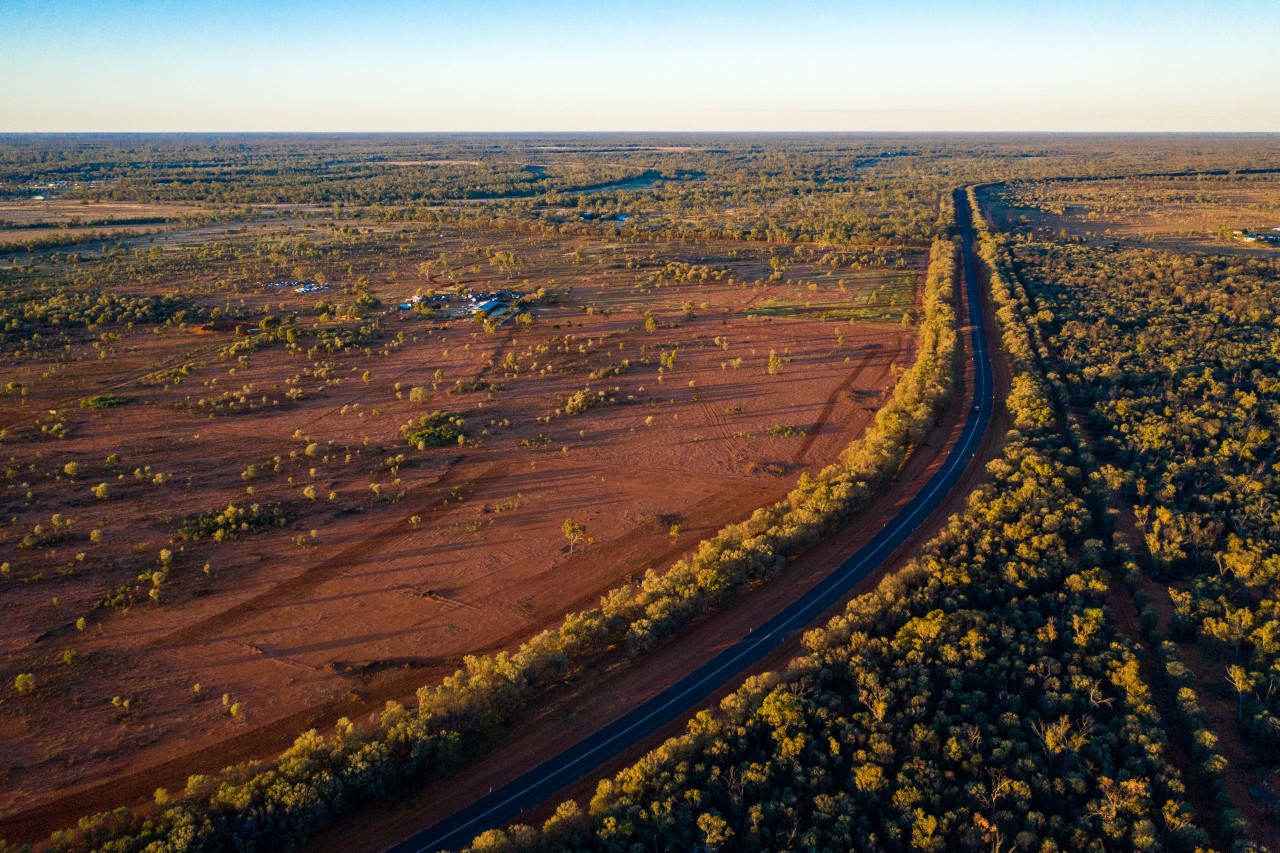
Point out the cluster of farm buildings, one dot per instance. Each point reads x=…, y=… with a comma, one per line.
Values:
x=300, y=286
x=499, y=305
x=496, y=305
x=1271, y=237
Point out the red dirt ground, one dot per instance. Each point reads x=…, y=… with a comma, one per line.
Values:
x=301, y=631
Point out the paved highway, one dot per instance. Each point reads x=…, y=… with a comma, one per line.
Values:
x=534, y=787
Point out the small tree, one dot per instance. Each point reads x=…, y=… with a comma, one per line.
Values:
x=25, y=683
x=715, y=830
x=1243, y=681
x=574, y=532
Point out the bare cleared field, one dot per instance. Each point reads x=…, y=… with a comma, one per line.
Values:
x=1176, y=213
x=218, y=531
x=33, y=223
x=63, y=213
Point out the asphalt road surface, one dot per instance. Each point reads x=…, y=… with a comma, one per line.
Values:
x=536, y=786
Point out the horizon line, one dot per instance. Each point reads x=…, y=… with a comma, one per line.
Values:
x=935, y=132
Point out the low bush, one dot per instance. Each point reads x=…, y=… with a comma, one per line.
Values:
x=438, y=429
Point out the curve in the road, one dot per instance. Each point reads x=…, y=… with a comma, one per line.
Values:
x=537, y=785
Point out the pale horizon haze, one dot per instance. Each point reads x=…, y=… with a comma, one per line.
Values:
x=641, y=66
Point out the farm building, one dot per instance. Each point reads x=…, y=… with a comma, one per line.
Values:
x=486, y=307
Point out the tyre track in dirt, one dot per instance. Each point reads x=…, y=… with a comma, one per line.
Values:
x=717, y=420
x=834, y=397
x=374, y=682
x=117, y=383
x=425, y=500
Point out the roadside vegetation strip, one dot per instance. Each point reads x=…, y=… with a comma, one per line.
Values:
x=278, y=804
x=978, y=699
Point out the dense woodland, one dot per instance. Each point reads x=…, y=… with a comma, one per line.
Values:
x=1174, y=358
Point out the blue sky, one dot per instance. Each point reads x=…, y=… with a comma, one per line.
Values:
x=229, y=65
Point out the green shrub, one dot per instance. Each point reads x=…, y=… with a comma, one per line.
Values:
x=232, y=522
x=438, y=429
x=105, y=401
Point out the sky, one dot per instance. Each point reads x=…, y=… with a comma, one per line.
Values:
x=657, y=65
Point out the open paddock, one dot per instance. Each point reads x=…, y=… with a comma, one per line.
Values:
x=650, y=393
